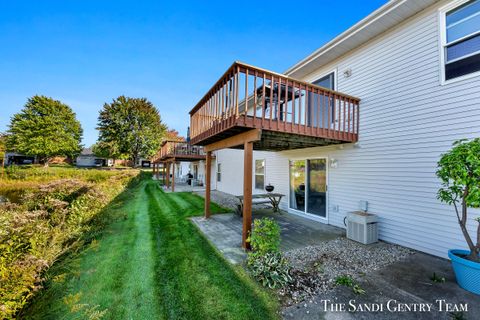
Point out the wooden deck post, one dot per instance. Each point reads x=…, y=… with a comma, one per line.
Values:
x=173, y=175
x=208, y=165
x=168, y=175
x=163, y=172
x=247, y=193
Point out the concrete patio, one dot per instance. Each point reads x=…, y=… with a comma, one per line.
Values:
x=181, y=186
x=224, y=231
x=184, y=187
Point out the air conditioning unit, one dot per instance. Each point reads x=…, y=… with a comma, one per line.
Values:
x=362, y=227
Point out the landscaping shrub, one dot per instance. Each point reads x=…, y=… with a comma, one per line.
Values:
x=50, y=219
x=272, y=270
x=265, y=262
x=265, y=236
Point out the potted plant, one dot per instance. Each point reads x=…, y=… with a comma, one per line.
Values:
x=459, y=171
x=269, y=188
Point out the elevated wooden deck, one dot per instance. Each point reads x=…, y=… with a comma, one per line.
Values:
x=291, y=113
x=180, y=151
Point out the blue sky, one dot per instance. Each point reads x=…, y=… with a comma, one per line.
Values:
x=87, y=52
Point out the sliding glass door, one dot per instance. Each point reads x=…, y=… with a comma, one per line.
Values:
x=308, y=186
x=297, y=185
x=317, y=187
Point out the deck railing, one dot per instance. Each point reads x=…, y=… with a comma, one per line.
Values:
x=248, y=96
x=175, y=149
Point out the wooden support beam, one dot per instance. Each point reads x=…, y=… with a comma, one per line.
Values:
x=164, y=170
x=208, y=170
x=168, y=175
x=247, y=193
x=239, y=139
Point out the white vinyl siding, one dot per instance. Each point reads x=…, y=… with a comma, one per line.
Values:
x=407, y=120
x=232, y=168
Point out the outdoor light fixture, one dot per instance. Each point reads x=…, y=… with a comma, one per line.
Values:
x=333, y=163
x=347, y=73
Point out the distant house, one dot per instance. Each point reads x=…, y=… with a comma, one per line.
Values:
x=18, y=159
x=143, y=162
x=88, y=159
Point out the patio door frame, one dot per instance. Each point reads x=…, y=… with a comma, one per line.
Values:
x=304, y=213
x=195, y=171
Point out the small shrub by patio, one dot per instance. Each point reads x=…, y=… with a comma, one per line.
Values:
x=272, y=270
x=265, y=262
x=265, y=236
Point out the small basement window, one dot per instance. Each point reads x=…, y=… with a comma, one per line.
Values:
x=259, y=174
x=460, y=29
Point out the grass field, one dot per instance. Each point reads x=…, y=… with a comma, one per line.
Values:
x=151, y=263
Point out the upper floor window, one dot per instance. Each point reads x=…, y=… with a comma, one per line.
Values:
x=320, y=106
x=461, y=39
x=327, y=81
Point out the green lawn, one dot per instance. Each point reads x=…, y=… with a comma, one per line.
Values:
x=151, y=263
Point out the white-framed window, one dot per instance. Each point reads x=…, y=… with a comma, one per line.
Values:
x=260, y=174
x=326, y=81
x=318, y=108
x=460, y=39
x=219, y=172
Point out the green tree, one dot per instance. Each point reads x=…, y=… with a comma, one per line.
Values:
x=3, y=150
x=130, y=126
x=459, y=171
x=45, y=128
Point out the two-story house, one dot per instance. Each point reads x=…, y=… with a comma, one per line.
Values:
x=363, y=118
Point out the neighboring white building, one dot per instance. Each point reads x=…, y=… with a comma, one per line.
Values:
x=415, y=66
x=88, y=159
x=11, y=158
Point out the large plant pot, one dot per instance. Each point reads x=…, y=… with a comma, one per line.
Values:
x=467, y=272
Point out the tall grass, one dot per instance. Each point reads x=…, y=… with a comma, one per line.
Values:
x=42, y=174
x=58, y=207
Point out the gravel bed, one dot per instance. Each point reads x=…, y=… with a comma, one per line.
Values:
x=221, y=198
x=315, y=268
